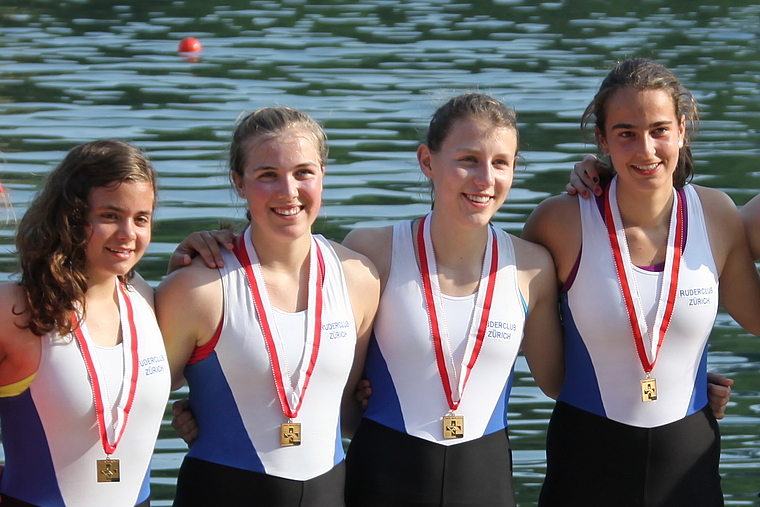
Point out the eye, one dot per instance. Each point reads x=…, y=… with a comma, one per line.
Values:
x=626, y=133
x=109, y=215
x=143, y=219
x=267, y=175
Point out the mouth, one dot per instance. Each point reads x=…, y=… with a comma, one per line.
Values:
x=121, y=252
x=288, y=211
x=480, y=199
x=647, y=168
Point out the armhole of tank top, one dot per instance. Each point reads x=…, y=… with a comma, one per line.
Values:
x=202, y=352
x=596, y=203
x=16, y=388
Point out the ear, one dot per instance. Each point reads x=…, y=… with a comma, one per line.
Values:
x=601, y=141
x=682, y=129
x=424, y=156
x=238, y=181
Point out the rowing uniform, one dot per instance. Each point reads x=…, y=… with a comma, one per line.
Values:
x=605, y=446
x=238, y=452
x=50, y=434
x=399, y=455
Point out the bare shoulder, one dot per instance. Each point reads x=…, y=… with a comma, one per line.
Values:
x=531, y=256
x=19, y=347
x=716, y=201
x=195, y=275
x=360, y=271
x=551, y=216
x=12, y=305
x=535, y=270
x=374, y=242
x=369, y=240
x=556, y=225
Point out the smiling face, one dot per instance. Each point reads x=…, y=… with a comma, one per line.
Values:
x=282, y=183
x=472, y=171
x=118, y=228
x=641, y=137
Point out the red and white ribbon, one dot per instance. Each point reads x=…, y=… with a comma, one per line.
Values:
x=648, y=344
x=112, y=422
x=478, y=323
x=291, y=396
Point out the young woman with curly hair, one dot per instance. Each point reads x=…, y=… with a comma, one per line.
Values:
x=83, y=373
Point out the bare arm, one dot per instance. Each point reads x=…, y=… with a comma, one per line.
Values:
x=751, y=217
x=739, y=287
x=542, y=344
x=206, y=244
x=364, y=291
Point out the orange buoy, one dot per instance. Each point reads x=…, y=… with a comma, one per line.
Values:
x=190, y=45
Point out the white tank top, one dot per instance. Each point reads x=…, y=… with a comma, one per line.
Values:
x=232, y=391
x=603, y=369
x=401, y=365
x=56, y=423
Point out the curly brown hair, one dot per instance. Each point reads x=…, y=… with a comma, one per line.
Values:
x=52, y=235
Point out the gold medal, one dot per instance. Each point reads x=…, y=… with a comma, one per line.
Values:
x=453, y=426
x=649, y=389
x=290, y=434
x=108, y=470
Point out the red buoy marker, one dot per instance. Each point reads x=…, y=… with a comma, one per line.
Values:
x=190, y=45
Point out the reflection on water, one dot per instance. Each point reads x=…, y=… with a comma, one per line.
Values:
x=373, y=71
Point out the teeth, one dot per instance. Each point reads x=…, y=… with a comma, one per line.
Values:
x=287, y=212
x=479, y=198
x=650, y=167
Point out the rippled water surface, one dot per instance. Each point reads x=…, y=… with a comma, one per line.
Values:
x=372, y=72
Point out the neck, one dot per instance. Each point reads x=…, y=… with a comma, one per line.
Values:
x=287, y=255
x=645, y=209
x=100, y=290
x=458, y=247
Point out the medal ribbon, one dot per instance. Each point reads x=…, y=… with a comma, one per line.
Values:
x=290, y=398
x=624, y=268
x=434, y=303
x=103, y=413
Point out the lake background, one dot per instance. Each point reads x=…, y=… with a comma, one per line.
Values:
x=373, y=71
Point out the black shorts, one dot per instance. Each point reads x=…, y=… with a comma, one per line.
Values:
x=203, y=484
x=388, y=468
x=9, y=501
x=594, y=461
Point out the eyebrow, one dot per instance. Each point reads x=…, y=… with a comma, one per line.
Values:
x=113, y=207
x=629, y=126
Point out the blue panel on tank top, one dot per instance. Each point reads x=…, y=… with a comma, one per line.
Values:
x=384, y=406
x=26, y=450
x=228, y=444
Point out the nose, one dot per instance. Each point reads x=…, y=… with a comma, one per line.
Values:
x=288, y=188
x=647, y=145
x=484, y=177
x=127, y=229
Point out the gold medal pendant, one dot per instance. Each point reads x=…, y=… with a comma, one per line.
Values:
x=108, y=470
x=649, y=389
x=290, y=434
x=453, y=426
